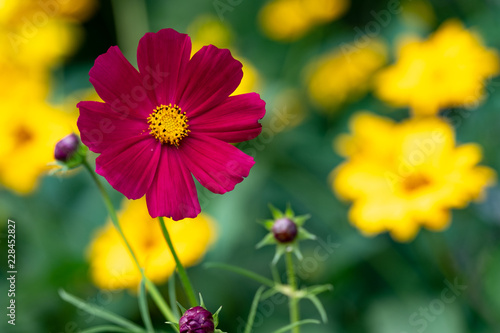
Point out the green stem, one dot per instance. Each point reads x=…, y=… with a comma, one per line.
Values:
x=153, y=291
x=188, y=288
x=293, y=301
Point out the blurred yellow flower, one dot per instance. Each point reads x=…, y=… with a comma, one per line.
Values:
x=111, y=266
x=251, y=78
x=28, y=26
x=34, y=37
x=446, y=70
x=28, y=142
x=344, y=74
x=401, y=176
x=208, y=29
x=78, y=10
x=289, y=20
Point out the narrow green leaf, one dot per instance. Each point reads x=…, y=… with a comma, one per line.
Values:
x=253, y=310
x=99, y=312
x=143, y=307
x=315, y=290
x=276, y=274
x=319, y=307
x=249, y=274
x=105, y=328
x=172, y=297
x=299, y=323
x=269, y=293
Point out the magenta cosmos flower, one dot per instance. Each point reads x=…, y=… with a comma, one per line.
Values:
x=170, y=120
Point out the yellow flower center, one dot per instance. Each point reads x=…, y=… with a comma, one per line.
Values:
x=168, y=124
x=415, y=182
x=22, y=136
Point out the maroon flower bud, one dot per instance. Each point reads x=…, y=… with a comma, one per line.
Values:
x=284, y=230
x=66, y=147
x=196, y=320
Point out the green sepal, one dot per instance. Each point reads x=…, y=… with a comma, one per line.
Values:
x=267, y=240
x=280, y=251
x=77, y=159
x=289, y=211
x=304, y=234
x=174, y=325
x=216, y=316
x=183, y=309
x=301, y=219
x=275, y=212
x=202, y=304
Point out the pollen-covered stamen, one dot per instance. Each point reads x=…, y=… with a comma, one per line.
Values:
x=168, y=124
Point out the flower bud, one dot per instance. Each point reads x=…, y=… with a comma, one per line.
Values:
x=196, y=320
x=66, y=147
x=284, y=230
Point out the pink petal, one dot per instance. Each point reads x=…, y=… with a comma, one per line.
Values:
x=162, y=58
x=101, y=127
x=234, y=120
x=118, y=83
x=217, y=165
x=211, y=76
x=172, y=193
x=130, y=165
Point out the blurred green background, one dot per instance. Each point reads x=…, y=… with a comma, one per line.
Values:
x=380, y=286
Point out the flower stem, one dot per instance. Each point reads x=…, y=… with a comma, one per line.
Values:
x=292, y=283
x=153, y=291
x=188, y=288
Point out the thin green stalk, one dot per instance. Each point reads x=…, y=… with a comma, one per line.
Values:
x=188, y=288
x=155, y=294
x=293, y=301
